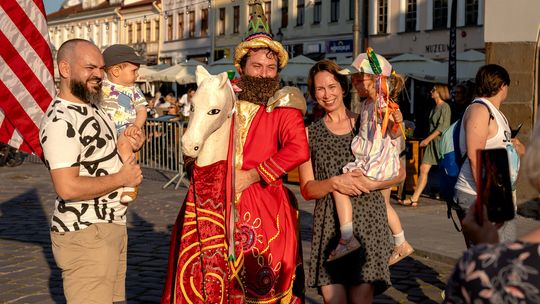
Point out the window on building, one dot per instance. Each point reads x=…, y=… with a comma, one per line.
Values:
x=180, y=29
x=169, y=28
x=334, y=11
x=156, y=30
x=147, y=28
x=440, y=14
x=317, y=12
x=300, y=6
x=236, y=20
x=471, y=12
x=221, y=25
x=139, y=32
x=191, y=24
x=410, y=16
x=268, y=11
x=382, y=16
x=204, y=22
x=130, y=34
x=284, y=13
x=351, y=9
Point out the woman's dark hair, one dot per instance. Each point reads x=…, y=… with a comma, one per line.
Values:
x=489, y=80
x=330, y=67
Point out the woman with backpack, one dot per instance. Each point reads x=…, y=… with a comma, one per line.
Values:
x=484, y=126
x=439, y=120
x=501, y=272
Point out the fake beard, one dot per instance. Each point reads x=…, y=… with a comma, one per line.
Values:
x=257, y=90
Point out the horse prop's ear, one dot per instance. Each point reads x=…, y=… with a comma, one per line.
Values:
x=223, y=77
x=201, y=74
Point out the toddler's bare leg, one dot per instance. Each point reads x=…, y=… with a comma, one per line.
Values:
x=129, y=194
x=344, y=210
x=402, y=248
x=348, y=243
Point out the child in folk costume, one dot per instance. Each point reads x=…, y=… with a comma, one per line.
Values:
x=376, y=145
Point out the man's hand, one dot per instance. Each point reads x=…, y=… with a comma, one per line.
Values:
x=131, y=172
x=351, y=183
x=424, y=143
x=244, y=178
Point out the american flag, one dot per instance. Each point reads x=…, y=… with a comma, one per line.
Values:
x=26, y=73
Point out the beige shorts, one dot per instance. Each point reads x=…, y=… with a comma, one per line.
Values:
x=93, y=263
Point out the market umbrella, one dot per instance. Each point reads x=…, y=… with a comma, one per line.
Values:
x=220, y=66
x=182, y=73
x=297, y=69
x=147, y=70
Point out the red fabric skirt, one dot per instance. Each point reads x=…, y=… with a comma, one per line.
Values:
x=198, y=269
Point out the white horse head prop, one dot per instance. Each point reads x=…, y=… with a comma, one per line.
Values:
x=207, y=135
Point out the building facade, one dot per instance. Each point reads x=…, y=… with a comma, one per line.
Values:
x=140, y=27
x=95, y=20
x=323, y=29
x=172, y=31
x=186, y=31
x=513, y=41
x=107, y=22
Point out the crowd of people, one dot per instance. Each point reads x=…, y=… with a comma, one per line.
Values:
x=347, y=163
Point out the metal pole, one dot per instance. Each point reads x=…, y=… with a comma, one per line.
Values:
x=359, y=41
x=212, y=8
x=356, y=28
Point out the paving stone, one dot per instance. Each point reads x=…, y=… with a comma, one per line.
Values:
x=27, y=267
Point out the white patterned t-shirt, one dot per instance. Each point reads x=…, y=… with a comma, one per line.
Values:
x=82, y=135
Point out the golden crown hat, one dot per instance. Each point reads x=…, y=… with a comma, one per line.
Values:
x=258, y=36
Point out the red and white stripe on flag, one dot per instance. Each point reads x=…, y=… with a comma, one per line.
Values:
x=26, y=73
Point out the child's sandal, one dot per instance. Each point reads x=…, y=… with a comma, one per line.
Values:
x=344, y=248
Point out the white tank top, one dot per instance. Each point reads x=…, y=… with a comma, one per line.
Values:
x=502, y=139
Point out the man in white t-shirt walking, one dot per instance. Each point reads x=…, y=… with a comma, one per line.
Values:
x=88, y=227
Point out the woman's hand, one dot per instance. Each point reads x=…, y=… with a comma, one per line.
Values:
x=351, y=183
x=486, y=232
x=424, y=142
x=520, y=148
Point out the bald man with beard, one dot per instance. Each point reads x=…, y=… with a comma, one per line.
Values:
x=88, y=226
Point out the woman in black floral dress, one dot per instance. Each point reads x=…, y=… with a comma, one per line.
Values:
x=357, y=277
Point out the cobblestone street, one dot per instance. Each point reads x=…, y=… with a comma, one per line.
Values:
x=28, y=273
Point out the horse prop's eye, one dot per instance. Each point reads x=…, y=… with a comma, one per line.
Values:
x=214, y=111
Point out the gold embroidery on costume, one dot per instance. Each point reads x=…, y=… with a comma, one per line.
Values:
x=245, y=112
x=287, y=97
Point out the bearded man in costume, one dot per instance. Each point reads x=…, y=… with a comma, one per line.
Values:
x=269, y=141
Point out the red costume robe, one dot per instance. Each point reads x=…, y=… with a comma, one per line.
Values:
x=273, y=143
x=268, y=255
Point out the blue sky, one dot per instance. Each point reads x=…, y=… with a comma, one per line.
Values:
x=52, y=6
